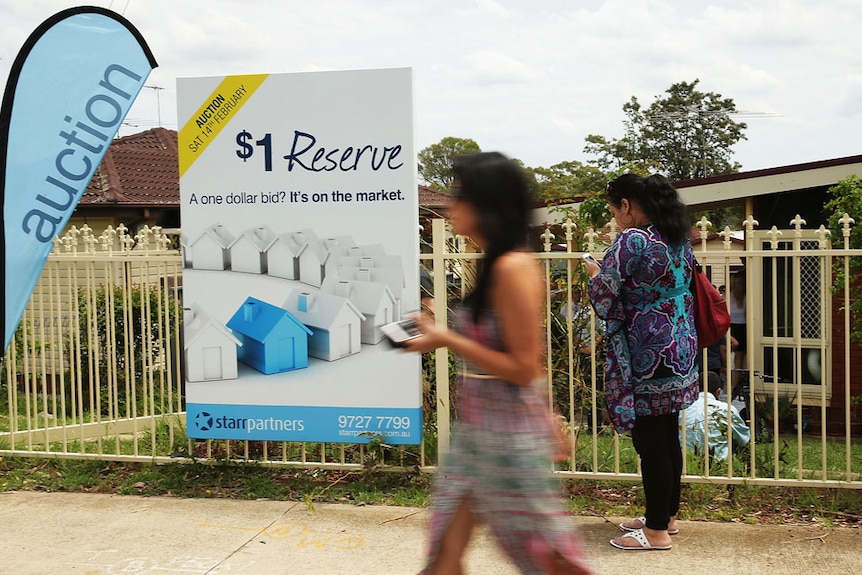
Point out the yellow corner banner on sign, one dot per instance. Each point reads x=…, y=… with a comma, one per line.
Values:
x=213, y=115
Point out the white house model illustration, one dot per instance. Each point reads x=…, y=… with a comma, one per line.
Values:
x=379, y=269
x=210, y=348
x=186, y=251
x=249, y=250
x=318, y=258
x=283, y=256
x=340, y=246
x=273, y=339
x=374, y=300
x=342, y=294
x=209, y=251
x=334, y=321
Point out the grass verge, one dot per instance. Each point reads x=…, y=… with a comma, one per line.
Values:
x=701, y=502
x=238, y=481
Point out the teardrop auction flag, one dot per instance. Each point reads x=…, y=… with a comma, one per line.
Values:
x=68, y=92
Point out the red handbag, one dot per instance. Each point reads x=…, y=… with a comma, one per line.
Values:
x=711, y=316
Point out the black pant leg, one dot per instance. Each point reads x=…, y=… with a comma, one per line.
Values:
x=656, y=441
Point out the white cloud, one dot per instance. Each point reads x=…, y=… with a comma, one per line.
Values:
x=492, y=67
x=532, y=79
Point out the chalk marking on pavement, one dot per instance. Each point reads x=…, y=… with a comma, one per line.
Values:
x=144, y=565
x=305, y=536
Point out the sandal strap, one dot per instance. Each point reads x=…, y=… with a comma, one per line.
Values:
x=642, y=520
x=639, y=536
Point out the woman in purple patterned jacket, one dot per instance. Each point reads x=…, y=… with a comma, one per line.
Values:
x=642, y=292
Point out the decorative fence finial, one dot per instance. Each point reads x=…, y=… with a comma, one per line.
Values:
x=773, y=234
x=71, y=239
x=547, y=236
x=612, y=229
x=704, y=225
x=591, y=236
x=845, y=222
x=90, y=243
x=749, y=223
x=726, y=235
x=822, y=234
x=569, y=227
x=797, y=223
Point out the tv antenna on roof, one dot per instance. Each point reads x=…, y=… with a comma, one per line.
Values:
x=157, y=89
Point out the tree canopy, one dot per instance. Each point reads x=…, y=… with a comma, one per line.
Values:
x=435, y=161
x=846, y=198
x=684, y=134
x=567, y=181
x=689, y=132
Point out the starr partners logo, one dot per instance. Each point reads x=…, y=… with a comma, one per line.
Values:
x=203, y=421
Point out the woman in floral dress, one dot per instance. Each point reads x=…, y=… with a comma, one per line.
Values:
x=498, y=469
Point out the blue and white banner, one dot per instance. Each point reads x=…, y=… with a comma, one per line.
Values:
x=68, y=92
x=304, y=423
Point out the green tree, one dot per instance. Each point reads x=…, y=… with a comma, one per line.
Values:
x=689, y=132
x=731, y=217
x=139, y=329
x=846, y=198
x=435, y=161
x=592, y=211
x=566, y=181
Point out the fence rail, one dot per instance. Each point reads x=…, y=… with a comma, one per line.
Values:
x=95, y=370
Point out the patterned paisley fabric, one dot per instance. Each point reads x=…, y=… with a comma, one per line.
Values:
x=642, y=293
x=499, y=463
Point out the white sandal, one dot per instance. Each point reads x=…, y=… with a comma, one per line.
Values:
x=639, y=536
x=642, y=520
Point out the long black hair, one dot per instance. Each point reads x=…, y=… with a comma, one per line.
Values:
x=659, y=201
x=498, y=190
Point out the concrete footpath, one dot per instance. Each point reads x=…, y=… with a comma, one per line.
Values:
x=87, y=534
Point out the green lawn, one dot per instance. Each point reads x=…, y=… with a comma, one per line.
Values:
x=612, y=453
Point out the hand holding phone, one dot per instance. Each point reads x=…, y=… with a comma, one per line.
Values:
x=590, y=259
x=398, y=333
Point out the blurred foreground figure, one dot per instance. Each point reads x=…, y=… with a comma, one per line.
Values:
x=498, y=470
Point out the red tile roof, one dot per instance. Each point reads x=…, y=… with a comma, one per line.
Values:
x=139, y=170
x=429, y=197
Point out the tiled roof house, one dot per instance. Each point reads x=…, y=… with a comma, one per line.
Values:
x=136, y=184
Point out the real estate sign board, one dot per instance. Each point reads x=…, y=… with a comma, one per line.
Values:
x=299, y=220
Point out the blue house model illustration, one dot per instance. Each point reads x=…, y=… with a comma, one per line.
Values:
x=273, y=340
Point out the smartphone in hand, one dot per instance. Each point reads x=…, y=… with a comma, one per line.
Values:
x=398, y=333
x=591, y=260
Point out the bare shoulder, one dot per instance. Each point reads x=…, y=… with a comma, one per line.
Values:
x=517, y=262
x=517, y=268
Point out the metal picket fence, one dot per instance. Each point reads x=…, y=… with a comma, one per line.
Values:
x=95, y=370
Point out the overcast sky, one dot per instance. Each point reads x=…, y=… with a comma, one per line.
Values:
x=529, y=78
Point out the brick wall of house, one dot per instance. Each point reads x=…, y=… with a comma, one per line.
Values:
x=835, y=413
